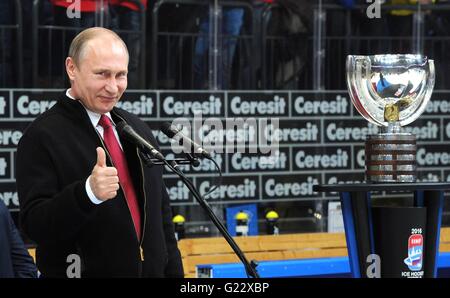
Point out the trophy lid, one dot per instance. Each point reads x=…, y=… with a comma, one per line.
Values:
x=390, y=88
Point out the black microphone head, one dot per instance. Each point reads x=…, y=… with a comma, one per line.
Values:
x=120, y=127
x=127, y=132
x=168, y=129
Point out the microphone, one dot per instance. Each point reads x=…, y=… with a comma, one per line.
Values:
x=127, y=132
x=173, y=133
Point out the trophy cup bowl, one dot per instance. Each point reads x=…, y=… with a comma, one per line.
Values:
x=390, y=91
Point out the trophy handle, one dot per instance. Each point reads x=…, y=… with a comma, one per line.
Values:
x=357, y=67
x=429, y=86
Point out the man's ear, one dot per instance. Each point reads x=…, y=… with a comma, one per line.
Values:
x=70, y=68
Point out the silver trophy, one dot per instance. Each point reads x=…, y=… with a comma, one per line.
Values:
x=390, y=91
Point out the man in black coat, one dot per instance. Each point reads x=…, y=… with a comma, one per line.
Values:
x=86, y=196
x=15, y=261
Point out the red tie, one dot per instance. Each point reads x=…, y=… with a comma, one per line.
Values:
x=120, y=163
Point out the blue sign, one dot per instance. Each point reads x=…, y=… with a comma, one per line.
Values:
x=252, y=212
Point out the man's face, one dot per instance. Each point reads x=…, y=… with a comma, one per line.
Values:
x=100, y=78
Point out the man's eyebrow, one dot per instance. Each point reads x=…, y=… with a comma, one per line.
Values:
x=108, y=70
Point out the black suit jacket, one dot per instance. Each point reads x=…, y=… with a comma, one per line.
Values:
x=55, y=156
x=14, y=258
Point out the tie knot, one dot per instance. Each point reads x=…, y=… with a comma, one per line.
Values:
x=105, y=122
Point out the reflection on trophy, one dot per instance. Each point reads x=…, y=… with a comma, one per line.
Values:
x=390, y=91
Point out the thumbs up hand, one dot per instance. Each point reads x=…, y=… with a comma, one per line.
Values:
x=104, y=180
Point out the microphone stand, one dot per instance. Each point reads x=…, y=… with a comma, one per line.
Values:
x=153, y=161
x=250, y=267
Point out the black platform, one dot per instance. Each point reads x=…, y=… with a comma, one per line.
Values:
x=358, y=215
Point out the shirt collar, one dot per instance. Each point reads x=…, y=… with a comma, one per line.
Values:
x=93, y=116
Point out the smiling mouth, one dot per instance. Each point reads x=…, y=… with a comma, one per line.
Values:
x=108, y=98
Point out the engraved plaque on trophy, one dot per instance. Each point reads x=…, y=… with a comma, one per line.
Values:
x=390, y=91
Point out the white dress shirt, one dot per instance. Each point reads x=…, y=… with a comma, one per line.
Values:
x=95, y=118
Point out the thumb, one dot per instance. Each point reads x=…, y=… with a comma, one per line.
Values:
x=101, y=157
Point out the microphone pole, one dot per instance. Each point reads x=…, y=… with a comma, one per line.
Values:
x=250, y=268
x=128, y=132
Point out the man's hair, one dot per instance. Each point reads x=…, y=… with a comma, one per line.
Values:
x=78, y=44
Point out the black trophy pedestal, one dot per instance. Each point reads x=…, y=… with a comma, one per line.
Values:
x=406, y=239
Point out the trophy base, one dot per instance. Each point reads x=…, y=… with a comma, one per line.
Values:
x=391, y=157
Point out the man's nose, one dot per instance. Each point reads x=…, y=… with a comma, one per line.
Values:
x=111, y=85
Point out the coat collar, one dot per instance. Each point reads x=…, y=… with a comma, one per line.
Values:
x=75, y=110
